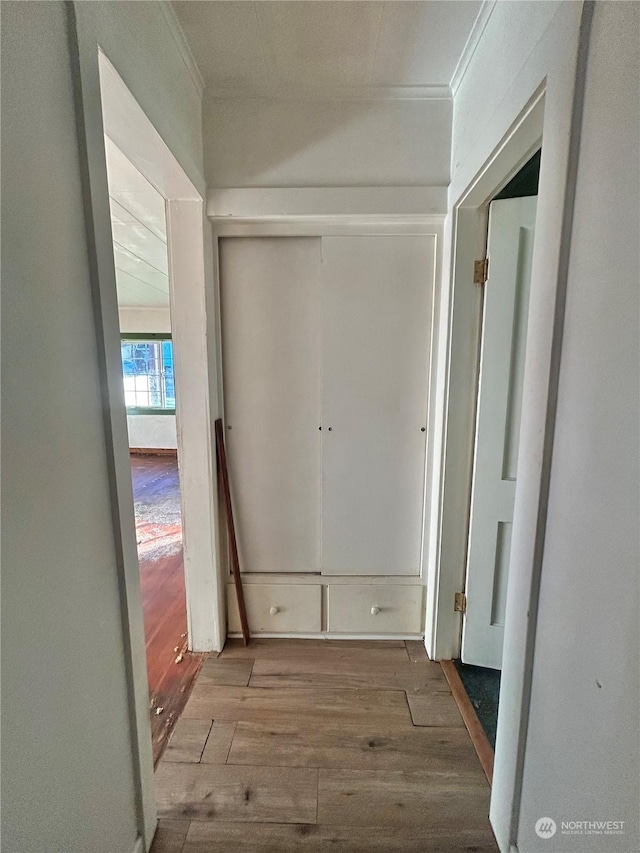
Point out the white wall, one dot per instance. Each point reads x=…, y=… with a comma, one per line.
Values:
x=69, y=778
x=582, y=755
x=144, y=319
x=149, y=431
x=514, y=39
x=271, y=143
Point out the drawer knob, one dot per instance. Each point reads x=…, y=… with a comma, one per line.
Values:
x=274, y=610
x=375, y=611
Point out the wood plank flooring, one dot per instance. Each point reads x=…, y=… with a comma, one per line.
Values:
x=156, y=493
x=320, y=746
x=339, y=747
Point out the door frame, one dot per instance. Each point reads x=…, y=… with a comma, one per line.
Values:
x=457, y=393
x=104, y=103
x=456, y=408
x=191, y=311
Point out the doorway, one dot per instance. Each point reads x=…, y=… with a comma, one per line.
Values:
x=510, y=235
x=143, y=285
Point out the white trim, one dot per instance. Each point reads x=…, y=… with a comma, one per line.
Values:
x=329, y=580
x=331, y=93
x=469, y=49
x=195, y=414
x=182, y=43
x=139, y=847
x=325, y=635
x=328, y=226
x=515, y=148
x=131, y=131
x=276, y=202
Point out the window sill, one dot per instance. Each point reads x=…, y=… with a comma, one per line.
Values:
x=131, y=410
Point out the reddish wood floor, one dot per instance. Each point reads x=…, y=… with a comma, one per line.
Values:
x=156, y=492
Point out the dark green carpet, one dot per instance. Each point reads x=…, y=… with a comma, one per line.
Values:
x=483, y=688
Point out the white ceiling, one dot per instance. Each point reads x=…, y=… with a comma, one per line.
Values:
x=261, y=47
x=253, y=47
x=139, y=234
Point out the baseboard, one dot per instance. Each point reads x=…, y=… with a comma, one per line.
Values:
x=468, y=712
x=153, y=451
x=325, y=635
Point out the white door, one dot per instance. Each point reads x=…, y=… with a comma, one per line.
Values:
x=506, y=302
x=270, y=306
x=376, y=302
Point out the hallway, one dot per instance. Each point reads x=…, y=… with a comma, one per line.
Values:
x=349, y=746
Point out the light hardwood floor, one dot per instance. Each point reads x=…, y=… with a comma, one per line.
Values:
x=315, y=745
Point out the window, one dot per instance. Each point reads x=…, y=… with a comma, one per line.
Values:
x=147, y=370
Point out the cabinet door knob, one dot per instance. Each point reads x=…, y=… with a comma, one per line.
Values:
x=375, y=611
x=274, y=610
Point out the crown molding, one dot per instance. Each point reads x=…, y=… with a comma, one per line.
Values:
x=472, y=42
x=175, y=28
x=332, y=93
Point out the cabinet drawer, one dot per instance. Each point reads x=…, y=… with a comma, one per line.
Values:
x=278, y=608
x=375, y=609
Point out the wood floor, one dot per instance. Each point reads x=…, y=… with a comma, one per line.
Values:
x=156, y=492
x=351, y=747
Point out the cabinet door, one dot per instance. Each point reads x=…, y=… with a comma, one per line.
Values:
x=270, y=306
x=377, y=317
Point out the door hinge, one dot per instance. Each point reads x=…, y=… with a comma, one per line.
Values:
x=460, y=603
x=480, y=271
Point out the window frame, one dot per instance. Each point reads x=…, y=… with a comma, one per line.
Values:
x=142, y=337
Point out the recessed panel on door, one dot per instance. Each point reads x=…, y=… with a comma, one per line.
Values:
x=376, y=327
x=270, y=306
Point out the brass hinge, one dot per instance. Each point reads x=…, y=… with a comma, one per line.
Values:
x=460, y=603
x=480, y=271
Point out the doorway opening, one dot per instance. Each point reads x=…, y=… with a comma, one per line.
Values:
x=143, y=284
x=509, y=241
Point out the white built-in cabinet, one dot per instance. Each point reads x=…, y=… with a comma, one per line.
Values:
x=326, y=345
x=271, y=334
